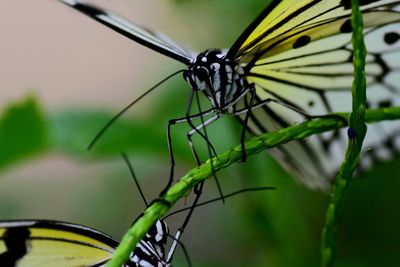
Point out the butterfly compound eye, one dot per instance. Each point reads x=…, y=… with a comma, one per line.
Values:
x=201, y=73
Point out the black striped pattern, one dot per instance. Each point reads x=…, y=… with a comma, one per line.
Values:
x=150, y=251
x=218, y=78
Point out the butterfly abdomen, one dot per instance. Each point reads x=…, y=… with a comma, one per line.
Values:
x=218, y=77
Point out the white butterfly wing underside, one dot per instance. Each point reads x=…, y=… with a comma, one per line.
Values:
x=317, y=78
x=154, y=40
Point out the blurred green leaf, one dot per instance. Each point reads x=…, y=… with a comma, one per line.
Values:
x=23, y=132
x=72, y=131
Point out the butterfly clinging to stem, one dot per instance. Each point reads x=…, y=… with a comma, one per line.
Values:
x=56, y=243
x=292, y=62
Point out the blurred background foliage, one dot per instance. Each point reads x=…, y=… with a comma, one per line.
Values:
x=46, y=172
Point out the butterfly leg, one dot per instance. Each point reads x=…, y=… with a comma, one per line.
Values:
x=252, y=91
x=211, y=150
x=247, y=111
x=198, y=190
x=186, y=119
x=196, y=130
x=261, y=104
x=182, y=228
x=173, y=248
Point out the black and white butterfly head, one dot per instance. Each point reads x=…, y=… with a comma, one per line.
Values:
x=218, y=77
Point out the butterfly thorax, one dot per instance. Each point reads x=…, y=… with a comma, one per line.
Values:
x=218, y=77
x=150, y=251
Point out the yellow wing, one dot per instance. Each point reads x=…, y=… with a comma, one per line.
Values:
x=307, y=64
x=291, y=24
x=51, y=243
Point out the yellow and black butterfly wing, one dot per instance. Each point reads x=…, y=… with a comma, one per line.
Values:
x=291, y=24
x=52, y=243
x=306, y=62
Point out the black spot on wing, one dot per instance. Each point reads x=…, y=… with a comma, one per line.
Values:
x=346, y=27
x=385, y=104
x=389, y=143
x=302, y=41
x=391, y=38
x=347, y=3
x=15, y=241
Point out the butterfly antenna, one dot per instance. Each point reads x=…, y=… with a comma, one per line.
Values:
x=111, y=122
x=251, y=189
x=191, y=208
x=128, y=163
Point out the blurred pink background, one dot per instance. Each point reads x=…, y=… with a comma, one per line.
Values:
x=63, y=57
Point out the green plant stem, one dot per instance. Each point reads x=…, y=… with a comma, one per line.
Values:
x=180, y=189
x=356, y=134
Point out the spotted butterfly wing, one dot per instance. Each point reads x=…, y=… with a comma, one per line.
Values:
x=296, y=53
x=54, y=243
x=306, y=62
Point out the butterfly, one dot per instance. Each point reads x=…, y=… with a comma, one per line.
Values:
x=56, y=243
x=294, y=61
